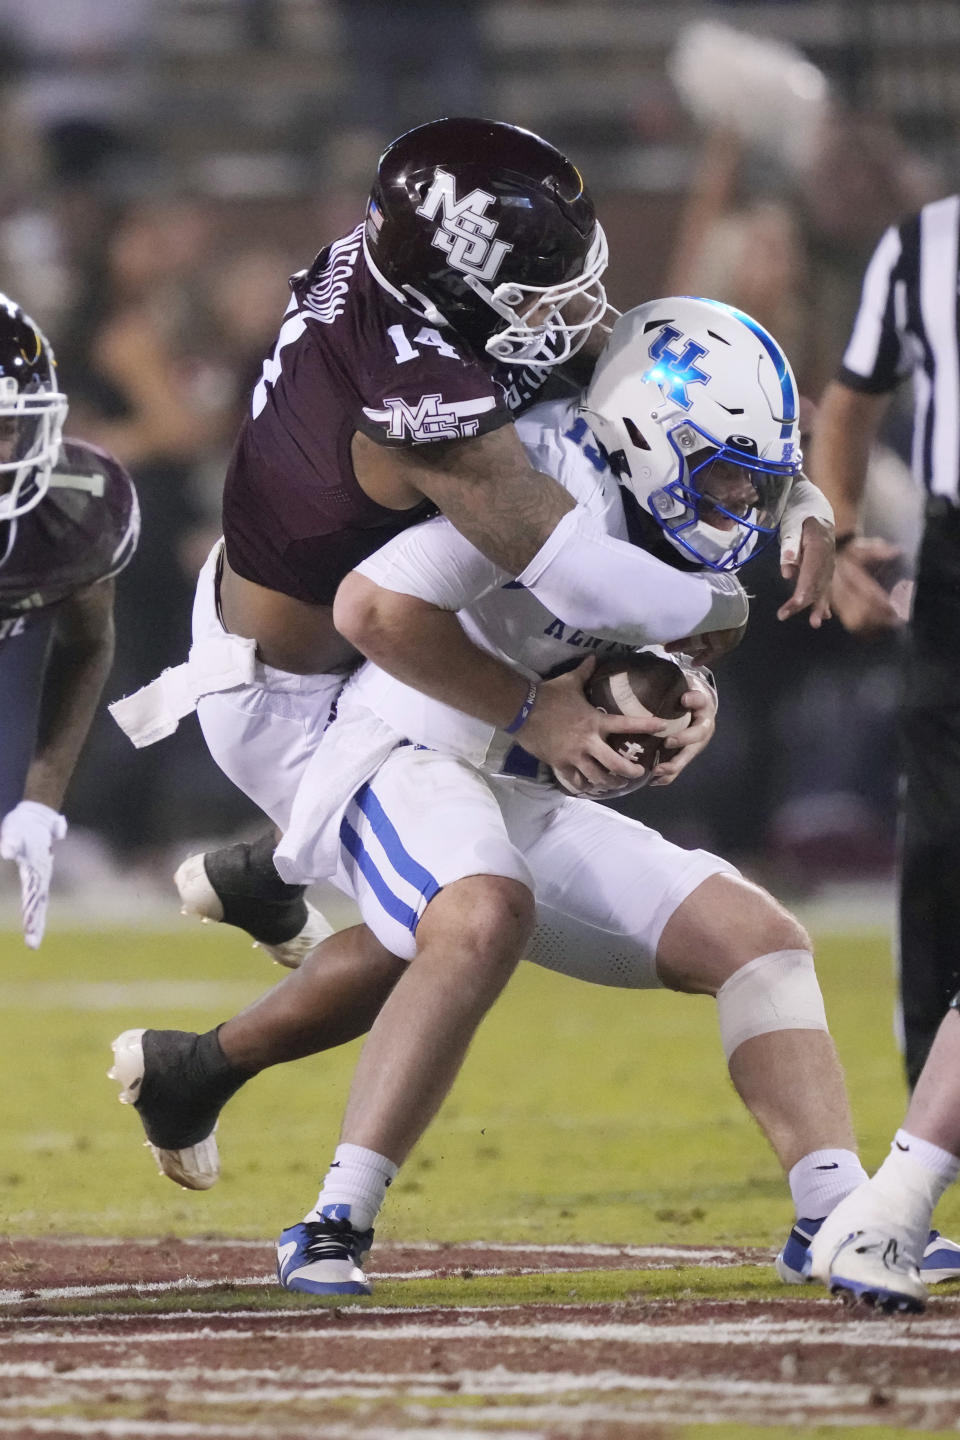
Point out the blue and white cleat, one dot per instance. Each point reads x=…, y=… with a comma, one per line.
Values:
x=873, y=1267
x=940, y=1260
x=324, y=1257
x=868, y=1258
x=793, y=1263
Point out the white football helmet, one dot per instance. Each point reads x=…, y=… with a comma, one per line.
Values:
x=696, y=407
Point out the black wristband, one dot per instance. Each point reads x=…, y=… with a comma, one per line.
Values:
x=840, y=542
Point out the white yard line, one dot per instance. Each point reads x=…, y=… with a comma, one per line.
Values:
x=274, y=1384
x=889, y=1333
x=760, y=1396
x=172, y=1429
x=663, y=1256
x=697, y=1255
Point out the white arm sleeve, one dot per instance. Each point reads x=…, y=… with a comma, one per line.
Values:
x=435, y=563
x=589, y=579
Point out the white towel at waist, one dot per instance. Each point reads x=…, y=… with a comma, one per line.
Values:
x=349, y=754
x=215, y=663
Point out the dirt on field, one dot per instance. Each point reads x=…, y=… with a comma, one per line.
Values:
x=77, y=1361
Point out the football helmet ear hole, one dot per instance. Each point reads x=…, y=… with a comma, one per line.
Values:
x=635, y=435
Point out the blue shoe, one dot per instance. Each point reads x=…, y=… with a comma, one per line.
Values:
x=793, y=1263
x=941, y=1258
x=324, y=1257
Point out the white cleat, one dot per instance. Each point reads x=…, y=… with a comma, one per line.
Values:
x=862, y=1256
x=195, y=1167
x=198, y=897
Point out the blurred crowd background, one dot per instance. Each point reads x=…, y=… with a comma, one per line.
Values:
x=166, y=164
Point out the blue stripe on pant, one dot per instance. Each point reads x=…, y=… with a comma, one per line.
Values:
x=404, y=864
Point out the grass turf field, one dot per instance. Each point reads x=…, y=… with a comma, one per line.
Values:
x=582, y=1114
x=584, y=1117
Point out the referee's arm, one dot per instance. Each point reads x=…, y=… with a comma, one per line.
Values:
x=845, y=429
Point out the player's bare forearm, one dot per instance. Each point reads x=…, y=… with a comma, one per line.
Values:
x=488, y=490
x=77, y=668
x=427, y=648
x=845, y=428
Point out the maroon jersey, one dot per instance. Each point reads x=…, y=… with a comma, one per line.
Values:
x=349, y=357
x=84, y=529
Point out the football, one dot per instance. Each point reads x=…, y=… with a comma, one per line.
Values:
x=642, y=684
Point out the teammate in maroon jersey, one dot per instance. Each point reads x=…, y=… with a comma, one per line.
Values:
x=69, y=522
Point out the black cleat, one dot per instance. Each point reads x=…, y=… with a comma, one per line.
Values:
x=178, y=1083
x=238, y=885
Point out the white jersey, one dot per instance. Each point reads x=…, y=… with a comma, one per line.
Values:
x=435, y=563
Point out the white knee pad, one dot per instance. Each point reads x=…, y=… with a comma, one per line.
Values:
x=774, y=992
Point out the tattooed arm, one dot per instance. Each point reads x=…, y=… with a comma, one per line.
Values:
x=530, y=526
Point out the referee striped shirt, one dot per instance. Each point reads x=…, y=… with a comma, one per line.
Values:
x=909, y=324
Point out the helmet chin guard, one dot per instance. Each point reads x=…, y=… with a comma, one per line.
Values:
x=697, y=409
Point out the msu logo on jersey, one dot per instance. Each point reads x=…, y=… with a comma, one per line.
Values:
x=430, y=418
x=466, y=233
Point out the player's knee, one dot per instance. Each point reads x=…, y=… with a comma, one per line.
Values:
x=767, y=928
x=486, y=920
x=724, y=925
x=776, y=991
x=762, y=927
x=499, y=916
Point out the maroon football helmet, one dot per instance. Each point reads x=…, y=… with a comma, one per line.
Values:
x=487, y=229
x=32, y=412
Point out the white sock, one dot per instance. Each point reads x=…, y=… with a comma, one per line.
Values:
x=354, y=1187
x=911, y=1180
x=821, y=1179
x=941, y=1163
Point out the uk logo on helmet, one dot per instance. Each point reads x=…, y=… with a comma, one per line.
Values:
x=675, y=371
x=466, y=233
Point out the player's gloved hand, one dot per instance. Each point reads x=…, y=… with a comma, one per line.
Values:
x=568, y=733
x=701, y=701
x=807, y=551
x=27, y=834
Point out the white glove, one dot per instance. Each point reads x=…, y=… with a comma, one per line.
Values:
x=26, y=836
x=804, y=501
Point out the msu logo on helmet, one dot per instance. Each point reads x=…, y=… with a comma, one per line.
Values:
x=466, y=233
x=488, y=230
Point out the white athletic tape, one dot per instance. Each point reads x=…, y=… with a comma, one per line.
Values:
x=774, y=992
